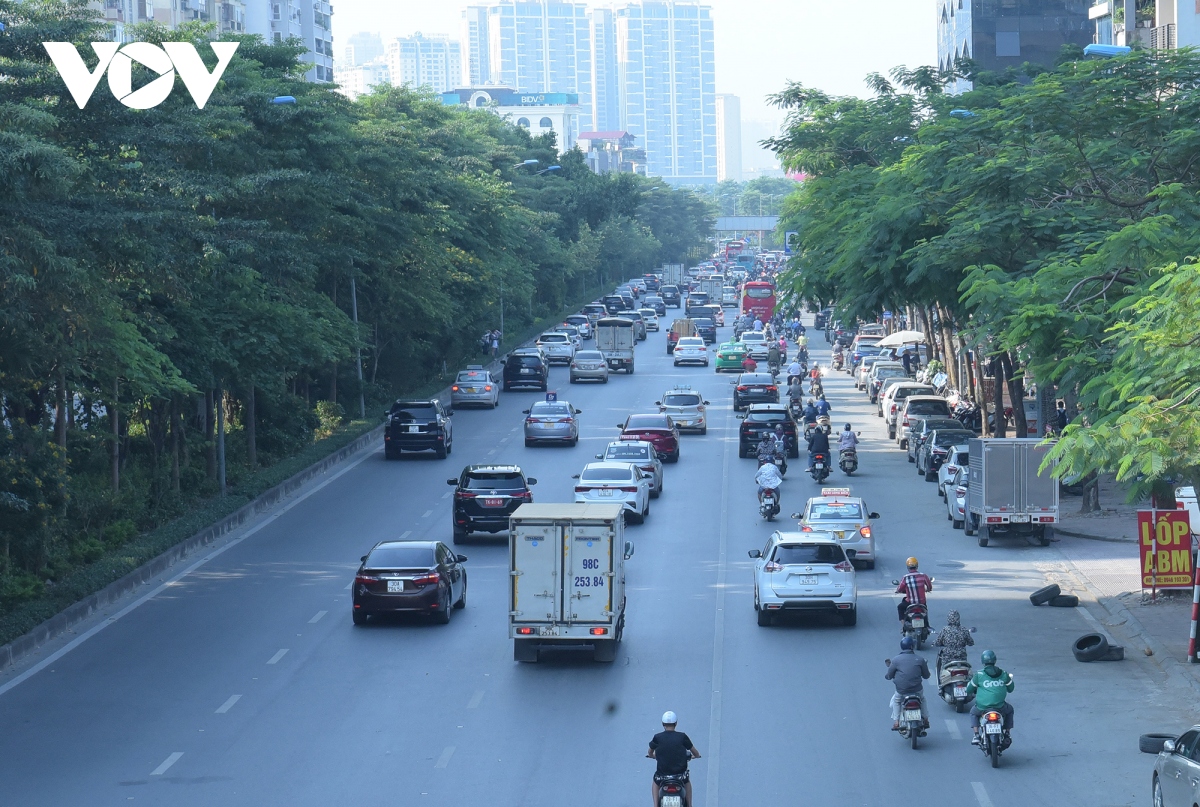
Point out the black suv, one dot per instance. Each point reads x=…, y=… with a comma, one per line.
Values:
x=707, y=328
x=525, y=368
x=418, y=426
x=695, y=301
x=485, y=496
x=761, y=419
x=670, y=295
x=752, y=388
x=614, y=305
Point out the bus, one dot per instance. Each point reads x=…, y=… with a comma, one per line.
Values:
x=758, y=299
x=733, y=249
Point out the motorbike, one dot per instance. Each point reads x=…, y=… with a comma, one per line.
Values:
x=848, y=460
x=953, y=677
x=916, y=622
x=779, y=458
x=912, y=725
x=993, y=739
x=837, y=360
x=820, y=469
x=796, y=409
x=672, y=789
x=823, y=423
x=768, y=504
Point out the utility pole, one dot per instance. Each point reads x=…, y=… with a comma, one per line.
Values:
x=362, y=401
x=502, y=309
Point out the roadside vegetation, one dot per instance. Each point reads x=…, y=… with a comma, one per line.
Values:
x=1046, y=221
x=162, y=269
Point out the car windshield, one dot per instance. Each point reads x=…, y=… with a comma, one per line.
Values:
x=951, y=439
x=589, y=355
x=577, y=319
x=904, y=392
x=766, y=417
x=472, y=375
x=834, y=510
x=759, y=293
x=673, y=289
x=554, y=337
x=625, y=451
x=756, y=378
x=807, y=554
x=415, y=411
x=647, y=312
x=654, y=299
x=399, y=557
x=890, y=372
x=646, y=422
x=681, y=399
x=704, y=322
x=525, y=361
x=928, y=408
x=754, y=336
x=690, y=341
x=494, y=481
x=544, y=409
x=606, y=475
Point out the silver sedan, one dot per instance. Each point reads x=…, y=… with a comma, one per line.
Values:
x=589, y=365
x=551, y=422
x=474, y=386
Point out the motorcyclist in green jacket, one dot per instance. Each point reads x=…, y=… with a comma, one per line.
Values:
x=990, y=686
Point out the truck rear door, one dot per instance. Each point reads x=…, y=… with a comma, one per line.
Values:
x=587, y=581
x=624, y=338
x=1041, y=492
x=535, y=561
x=1001, y=469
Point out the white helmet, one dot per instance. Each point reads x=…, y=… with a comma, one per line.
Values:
x=669, y=719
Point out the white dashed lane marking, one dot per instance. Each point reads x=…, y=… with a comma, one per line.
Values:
x=167, y=763
x=227, y=705
x=275, y=658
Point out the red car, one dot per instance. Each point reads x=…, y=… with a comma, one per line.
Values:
x=658, y=430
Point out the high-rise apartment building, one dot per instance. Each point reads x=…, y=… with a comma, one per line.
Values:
x=425, y=61
x=997, y=36
x=360, y=49
x=606, y=91
x=1165, y=25
x=540, y=46
x=229, y=15
x=729, y=138
x=475, y=42
x=666, y=73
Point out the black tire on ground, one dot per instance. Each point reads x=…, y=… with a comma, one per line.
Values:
x=635, y=518
x=982, y=540
x=995, y=752
x=572, y=381
x=968, y=525
x=850, y=618
x=1045, y=595
x=605, y=651
x=1115, y=652
x=870, y=564
x=545, y=387
x=359, y=617
x=1047, y=536
x=913, y=734
x=1090, y=647
x=956, y=524
x=764, y=618
x=1153, y=743
x=930, y=476
x=525, y=650
x=948, y=516
x=704, y=430
x=528, y=443
x=441, y=452
x=891, y=433
x=673, y=458
x=459, y=533
x=389, y=454
x=442, y=615
x=462, y=601
x=1064, y=601
x=911, y=458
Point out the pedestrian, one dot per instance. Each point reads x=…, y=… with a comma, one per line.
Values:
x=495, y=343
x=1060, y=416
x=906, y=360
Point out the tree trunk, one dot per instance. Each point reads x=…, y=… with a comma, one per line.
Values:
x=998, y=398
x=251, y=440
x=1091, y=496
x=1016, y=394
x=60, y=411
x=927, y=330
x=210, y=436
x=951, y=359
x=114, y=419
x=176, y=426
x=333, y=384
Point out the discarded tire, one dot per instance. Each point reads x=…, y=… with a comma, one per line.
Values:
x=1115, y=652
x=1064, y=601
x=1090, y=647
x=1153, y=743
x=1045, y=595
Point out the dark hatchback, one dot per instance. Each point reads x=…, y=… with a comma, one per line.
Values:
x=706, y=328
x=410, y=576
x=752, y=388
x=761, y=419
x=485, y=496
x=919, y=427
x=525, y=369
x=670, y=295
x=936, y=448
x=657, y=304
x=418, y=426
x=658, y=430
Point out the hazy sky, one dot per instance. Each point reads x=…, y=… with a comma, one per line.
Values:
x=760, y=44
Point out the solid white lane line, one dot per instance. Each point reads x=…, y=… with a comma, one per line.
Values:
x=712, y=789
x=952, y=727
x=317, y=618
x=275, y=658
x=404, y=535
x=167, y=763
x=981, y=795
x=476, y=699
x=349, y=586
x=74, y=643
x=427, y=514
x=446, y=495
x=227, y=705
x=444, y=759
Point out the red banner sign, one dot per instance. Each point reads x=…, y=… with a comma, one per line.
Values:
x=1165, y=538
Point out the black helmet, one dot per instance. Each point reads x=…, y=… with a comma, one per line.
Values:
x=847, y=427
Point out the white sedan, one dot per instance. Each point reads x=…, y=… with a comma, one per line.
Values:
x=691, y=350
x=612, y=482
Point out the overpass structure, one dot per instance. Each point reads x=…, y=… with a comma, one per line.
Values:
x=746, y=224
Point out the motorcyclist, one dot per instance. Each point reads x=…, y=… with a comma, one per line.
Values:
x=954, y=640
x=810, y=412
x=749, y=365
x=823, y=407
x=768, y=478
x=670, y=748
x=847, y=439
x=795, y=389
x=773, y=357
x=794, y=371
x=818, y=443
x=990, y=686
x=781, y=446
x=913, y=586
x=767, y=449
x=908, y=672
x=802, y=339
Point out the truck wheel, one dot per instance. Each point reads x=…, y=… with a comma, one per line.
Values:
x=1047, y=536
x=631, y=368
x=983, y=535
x=525, y=650
x=968, y=523
x=605, y=651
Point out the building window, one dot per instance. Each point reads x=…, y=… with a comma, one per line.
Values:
x=277, y=37
x=546, y=123
x=1008, y=43
x=523, y=122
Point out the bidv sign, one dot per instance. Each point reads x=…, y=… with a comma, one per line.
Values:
x=166, y=60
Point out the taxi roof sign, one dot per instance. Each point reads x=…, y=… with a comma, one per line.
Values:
x=834, y=492
x=552, y=397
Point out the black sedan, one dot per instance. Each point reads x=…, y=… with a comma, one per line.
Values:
x=936, y=447
x=410, y=576
x=752, y=388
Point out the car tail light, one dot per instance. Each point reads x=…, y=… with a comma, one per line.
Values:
x=628, y=490
x=893, y=409
x=646, y=467
x=599, y=631
x=525, y=631
x=865, y=532
x=906, y=421
x=454, y=388
x=772, y=388
x=951, y=469
x=582, y=489
x=844, y=566
x=427, y=579
x=742, y=388
x=526, y=495
x=365, y=578
x=488, y=388
x=566, y=420
x=772, y=566
x=806, y=528
x=960, y=491
x=531, y=420
x=464, y=495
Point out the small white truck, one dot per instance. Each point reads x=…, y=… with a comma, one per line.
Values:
x=567, y=578
x=1007, y=493
x=615, y=338
x=673, y=275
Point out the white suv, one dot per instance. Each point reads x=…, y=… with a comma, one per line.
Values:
x=556, y=347
x=804, y=571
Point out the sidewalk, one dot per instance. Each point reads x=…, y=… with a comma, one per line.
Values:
x=1104, y=551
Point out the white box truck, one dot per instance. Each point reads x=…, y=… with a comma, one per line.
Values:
x=1006, y=493
x=672, y=275
x=714, y=287
x=614, y=339
x=567, y=578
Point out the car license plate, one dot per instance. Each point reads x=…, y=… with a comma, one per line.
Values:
x=493, y=502
x=808, y=579
x=526, y=371
x=756, y=389
x=1019, y=519
x=470, y=390
x=912, y=714
x=918, y=622
x=395, y=586
x=960, y=692
x=412, y=429
x=605, y=491
x=993, y=728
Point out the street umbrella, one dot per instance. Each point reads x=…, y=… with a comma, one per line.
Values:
x=902, y=338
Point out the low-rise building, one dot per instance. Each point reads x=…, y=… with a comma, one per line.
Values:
x=613, y=152
x=1160, y=25
x=556, y=112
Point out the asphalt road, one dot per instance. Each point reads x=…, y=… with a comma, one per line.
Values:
x=244, y=683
